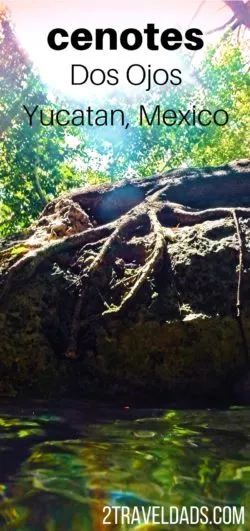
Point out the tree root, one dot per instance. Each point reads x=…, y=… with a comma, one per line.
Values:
x=151, y=221
x=239, y=289
x=35, y=257
x=129, y=219
x=149, y=267
x=179, y=214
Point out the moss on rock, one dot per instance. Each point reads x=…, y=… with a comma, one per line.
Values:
x=179, y=334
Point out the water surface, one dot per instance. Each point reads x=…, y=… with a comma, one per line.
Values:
x=61, y=465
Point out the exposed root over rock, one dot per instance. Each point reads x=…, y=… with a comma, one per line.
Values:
x=113, y=240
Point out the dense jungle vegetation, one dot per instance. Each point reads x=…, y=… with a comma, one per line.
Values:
x=37, y=164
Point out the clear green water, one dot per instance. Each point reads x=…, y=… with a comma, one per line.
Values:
x=61, y=465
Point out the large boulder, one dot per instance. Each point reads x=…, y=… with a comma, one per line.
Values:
x=130, y=289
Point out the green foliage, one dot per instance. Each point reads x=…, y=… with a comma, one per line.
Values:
x=220, y=82
x=39, y=163
x=34, y=162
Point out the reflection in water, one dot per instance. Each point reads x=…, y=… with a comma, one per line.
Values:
x=58, y=472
